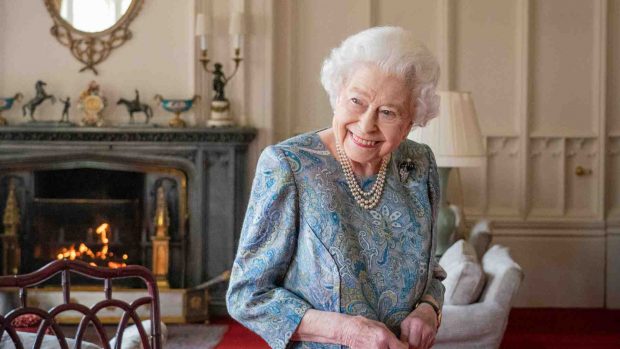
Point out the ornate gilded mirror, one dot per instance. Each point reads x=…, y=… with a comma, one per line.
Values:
x=92, y=28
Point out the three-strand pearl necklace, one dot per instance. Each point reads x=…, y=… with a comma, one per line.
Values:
x=370, y=199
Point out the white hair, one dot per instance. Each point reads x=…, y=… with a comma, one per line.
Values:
x=395, y=51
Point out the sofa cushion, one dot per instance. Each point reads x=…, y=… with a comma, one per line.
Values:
x=132, y=339
x=465, y=278
x=49, y=342
x=480, y=237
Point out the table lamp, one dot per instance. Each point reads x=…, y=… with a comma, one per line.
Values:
x=455, y=138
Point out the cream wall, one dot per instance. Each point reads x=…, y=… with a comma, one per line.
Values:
x=544, y=78
x=162, y=57
x=158, y=59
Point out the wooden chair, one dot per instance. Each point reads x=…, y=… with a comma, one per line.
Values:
x=88, y=314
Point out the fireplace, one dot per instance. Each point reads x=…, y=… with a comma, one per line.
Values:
x=90, y=214
x=101, y=215
x=169, y=199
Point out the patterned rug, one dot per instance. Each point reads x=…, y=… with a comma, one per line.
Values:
x=195, y=336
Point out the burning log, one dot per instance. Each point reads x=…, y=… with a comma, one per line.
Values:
x=83, y=252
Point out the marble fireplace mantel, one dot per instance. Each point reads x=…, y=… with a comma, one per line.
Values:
x=233, y=135
x=213, y=161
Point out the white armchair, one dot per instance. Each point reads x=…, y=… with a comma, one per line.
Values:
x=482, y=324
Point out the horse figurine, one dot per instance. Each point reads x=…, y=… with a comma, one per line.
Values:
x=41, y=96
x=6, y=104
x=135, y=106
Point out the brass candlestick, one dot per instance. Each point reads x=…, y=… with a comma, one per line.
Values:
x=161, y=240
x=10, y=244
x=220, y=106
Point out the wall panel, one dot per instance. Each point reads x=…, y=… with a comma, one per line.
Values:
x=417, y=16
x=582, y=198
x=562, y=67
x=504, y=185
x=485, y=61
x=613, y=184
x=314, y=40
x=613, y=67
x=546, y=190
x=560, y=271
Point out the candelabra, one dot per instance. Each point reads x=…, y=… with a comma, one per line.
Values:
x=11, y=252
x=220, y=105
x=161, y=240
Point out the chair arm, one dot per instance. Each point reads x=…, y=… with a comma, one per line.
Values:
x=478, y=322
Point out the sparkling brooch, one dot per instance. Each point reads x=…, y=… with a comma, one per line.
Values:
x=404, y=169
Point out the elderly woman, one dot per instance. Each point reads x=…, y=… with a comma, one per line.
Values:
x=337, y=246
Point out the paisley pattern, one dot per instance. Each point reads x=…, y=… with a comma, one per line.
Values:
x=306, y=244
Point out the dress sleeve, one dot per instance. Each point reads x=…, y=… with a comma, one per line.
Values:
x=435, y=288
x=268, y=240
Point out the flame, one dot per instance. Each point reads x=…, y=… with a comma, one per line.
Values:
x=103, y=231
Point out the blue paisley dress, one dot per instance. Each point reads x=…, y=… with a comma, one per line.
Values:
x=306, y=243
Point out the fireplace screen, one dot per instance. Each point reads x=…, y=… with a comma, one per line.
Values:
x=92, y=215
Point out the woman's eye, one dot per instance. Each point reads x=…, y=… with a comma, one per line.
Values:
x=388, y=113
x=356, y=101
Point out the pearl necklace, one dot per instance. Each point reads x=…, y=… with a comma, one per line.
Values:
x=370, y=199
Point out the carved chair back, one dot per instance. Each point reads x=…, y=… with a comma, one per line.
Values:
x=89, y=315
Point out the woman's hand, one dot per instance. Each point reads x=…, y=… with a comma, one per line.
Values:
x=356, y=332
x=419, y=328
x=363, y=333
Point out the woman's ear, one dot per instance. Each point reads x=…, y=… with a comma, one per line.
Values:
x=407, y=130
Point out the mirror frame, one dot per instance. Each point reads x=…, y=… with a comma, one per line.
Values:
x=92, y=48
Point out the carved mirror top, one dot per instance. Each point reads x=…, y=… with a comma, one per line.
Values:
x=92, y=28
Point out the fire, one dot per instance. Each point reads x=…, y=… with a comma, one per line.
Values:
x=83, y=252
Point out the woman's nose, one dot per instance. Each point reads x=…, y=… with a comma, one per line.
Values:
x=368, y=121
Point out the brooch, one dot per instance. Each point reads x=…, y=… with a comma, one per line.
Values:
x=404, y=169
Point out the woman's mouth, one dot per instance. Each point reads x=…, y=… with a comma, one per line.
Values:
x=362, y=142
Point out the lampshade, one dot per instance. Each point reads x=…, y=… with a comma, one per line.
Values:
x=454, y=136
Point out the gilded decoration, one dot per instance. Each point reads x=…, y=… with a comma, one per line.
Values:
x=91, y=48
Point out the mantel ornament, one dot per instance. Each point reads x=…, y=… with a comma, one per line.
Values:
x=220, y=105
x=92, y=41
x=135, y=106
x=66, y=105
x=6, y=103
x=176, y=106
x=91, y=103
x=40, y=96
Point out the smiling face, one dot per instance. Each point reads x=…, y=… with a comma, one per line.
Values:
x=372, y=116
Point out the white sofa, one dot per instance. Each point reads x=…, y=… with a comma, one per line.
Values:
x=482, y=323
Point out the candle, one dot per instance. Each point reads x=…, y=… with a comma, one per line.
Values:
x=237, y=28
x=201, y=29
x=237, y=23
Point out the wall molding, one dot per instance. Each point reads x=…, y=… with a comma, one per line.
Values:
x=600, y=58
x=522, y=98
x=544, y=224
x=445, y=14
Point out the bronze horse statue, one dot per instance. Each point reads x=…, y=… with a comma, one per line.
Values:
x=41, y=96
x=135, y=106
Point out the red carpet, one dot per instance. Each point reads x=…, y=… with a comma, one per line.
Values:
x=527, y=328
x=239, y=337
x=563, y=328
